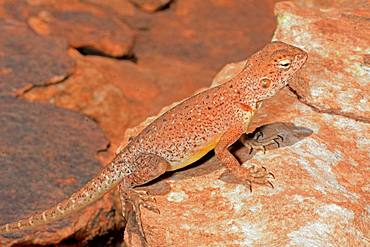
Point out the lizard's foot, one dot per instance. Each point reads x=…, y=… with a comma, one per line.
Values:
x=258, y=142
x=138, y=199
x=253, y=175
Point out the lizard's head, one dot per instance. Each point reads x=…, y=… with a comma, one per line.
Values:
x=271, y=68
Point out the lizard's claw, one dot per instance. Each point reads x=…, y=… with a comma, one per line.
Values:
x=144, y=198
x=149, y=206
x=254, y=175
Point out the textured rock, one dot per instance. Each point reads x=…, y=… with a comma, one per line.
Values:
x=47, y=154
x=336, y=35
x=120, y=7
x=28, y=60
x=83, y=25
x=91, y=91
x=207, y=32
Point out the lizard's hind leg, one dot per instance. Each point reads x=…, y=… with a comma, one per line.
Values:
x=148, y=167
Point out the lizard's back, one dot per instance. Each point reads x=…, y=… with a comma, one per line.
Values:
x=187, y=132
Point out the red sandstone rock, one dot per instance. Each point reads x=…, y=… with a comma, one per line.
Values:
x=121, y=7
x=27, y=59
x=206, y=32
x=83, y=25
x=46, y=154
x=102, y=89
x=336, y=35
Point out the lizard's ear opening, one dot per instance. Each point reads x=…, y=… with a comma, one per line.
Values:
x=265, y=82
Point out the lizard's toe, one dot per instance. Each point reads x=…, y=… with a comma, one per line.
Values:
x=255, y=175
x=147, y=203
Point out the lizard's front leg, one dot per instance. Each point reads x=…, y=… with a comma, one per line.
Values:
x=148, y=167
x=244, y=175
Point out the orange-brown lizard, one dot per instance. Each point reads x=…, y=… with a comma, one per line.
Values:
x=212, y=119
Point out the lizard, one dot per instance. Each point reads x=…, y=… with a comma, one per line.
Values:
x=212, y=119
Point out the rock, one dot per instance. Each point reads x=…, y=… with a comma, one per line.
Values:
x=83, y=25
x=28, y=60
x=95, y=90
x=102, y=89
x=151, y=5
x=46, y=154
x=336, y=36
x=210, y=33
x=122, y=8
x=177, y=79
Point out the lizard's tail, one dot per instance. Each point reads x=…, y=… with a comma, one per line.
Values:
x=107, y=179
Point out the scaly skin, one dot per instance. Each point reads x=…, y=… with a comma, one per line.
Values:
x=212, y=119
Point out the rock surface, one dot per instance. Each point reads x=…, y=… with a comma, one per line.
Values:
x=27, y=60
x=83, y=25
x=46, y=154
x=211, y=33
x=337, y=78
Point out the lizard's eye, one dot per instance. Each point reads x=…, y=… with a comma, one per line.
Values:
x=265, y=82
x=284, y=64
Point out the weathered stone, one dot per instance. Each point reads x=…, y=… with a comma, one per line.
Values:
x=336, y=78
x=46, y=154
x=122, y=8
x=27, y=59
x=96, y=90
x=83, y=25
x=210, y=33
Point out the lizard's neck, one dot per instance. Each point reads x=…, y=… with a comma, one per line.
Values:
x=241, y=89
